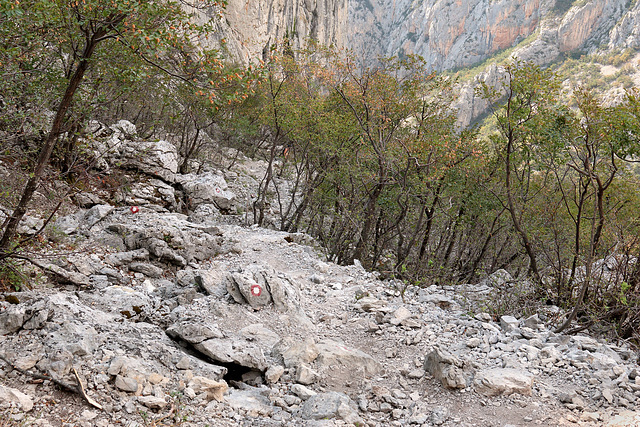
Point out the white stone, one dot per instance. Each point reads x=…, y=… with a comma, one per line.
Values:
x=11, y=395
x=493, y=382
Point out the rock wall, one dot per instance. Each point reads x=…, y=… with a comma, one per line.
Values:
x=627, y=31
x=250, y=27
x=448, y=34
x=452, y=34
x=583, y=27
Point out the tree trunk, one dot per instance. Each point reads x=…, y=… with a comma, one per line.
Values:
x=528, y=247
x=11, y=224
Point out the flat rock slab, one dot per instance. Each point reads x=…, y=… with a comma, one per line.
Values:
x=494, y=382
x=253, y=401
x=237, y=351
x=332, y=353
x=329, y=405
x=625, y=419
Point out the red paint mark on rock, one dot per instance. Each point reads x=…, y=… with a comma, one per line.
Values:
x=134, y=209
x=256, y=290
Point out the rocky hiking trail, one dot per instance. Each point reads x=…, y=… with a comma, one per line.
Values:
x=160, y=318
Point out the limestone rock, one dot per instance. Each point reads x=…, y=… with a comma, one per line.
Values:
x=9, y=395
x=207, y=188
x=333, y=355
x=168, y=237
x=400, y=315
x=330, y=405
x=446, y=367
x=213, y=282
x=159, y=158
x=252, y=27
x=302, y=392
x=147, y=269
x=149, y=193
x=295, y=353
x=126, y=301
x=493, y=382
x=228, y=350
x=122, y=258
x=215, y=390
x=30, y=225
x=153, y=402
x=509, y=323
x=194, y=333
x=11, y=319
x=371, y=304
x=126, y=384
x=251, y=401
x=258, y=333
x=625, y=419
x=252, y=288
x=259, y=285
x=273, y=373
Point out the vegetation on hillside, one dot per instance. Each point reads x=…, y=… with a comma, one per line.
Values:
x=382, y=175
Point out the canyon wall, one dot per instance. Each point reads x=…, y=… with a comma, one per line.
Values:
x=449, y=34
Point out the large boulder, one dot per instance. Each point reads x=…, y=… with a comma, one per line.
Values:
x=445, y=367
x=260, y=285
x=117, y=145
x=228, y=350
x=168, y=237
x=333, y=355
x=159, y=158
x=494, y=382
x=151, y=192
x=245, y=350
x=207, y=188
x=83, y=220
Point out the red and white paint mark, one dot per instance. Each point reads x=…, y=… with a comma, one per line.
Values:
x=256, y=290
x=218, y=190
x=134, y=209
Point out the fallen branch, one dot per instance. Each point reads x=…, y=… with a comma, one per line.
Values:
x=91, y=401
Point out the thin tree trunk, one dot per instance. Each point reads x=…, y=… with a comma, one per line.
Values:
x=533, y=265
x=11, y=224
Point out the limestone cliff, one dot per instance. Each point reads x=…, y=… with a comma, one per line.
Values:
x=460, y=33
x=447, y=33
x=252, y=26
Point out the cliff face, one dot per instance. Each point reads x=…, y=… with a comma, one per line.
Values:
x=460, y=33
x=626, y=33
x=583, y=27
x=447, y=33
x=252, y=26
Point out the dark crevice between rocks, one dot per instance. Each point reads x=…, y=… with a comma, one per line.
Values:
x=237, y=376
